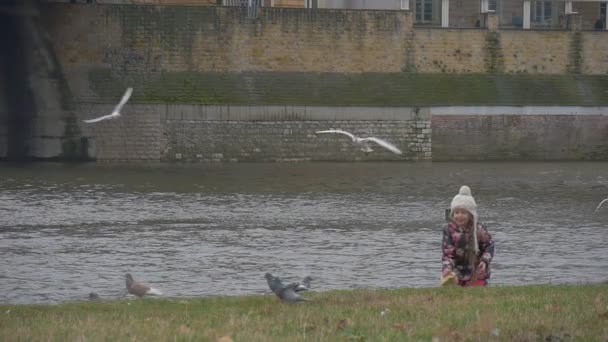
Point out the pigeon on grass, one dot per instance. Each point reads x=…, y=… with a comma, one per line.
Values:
x=139, y=289
x=287, y=293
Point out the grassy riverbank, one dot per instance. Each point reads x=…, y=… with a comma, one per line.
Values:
x=526, y=313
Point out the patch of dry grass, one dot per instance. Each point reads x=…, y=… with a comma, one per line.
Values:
x=526, y=313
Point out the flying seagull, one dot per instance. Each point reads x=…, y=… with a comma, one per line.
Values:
x=286, y=293
x=117, y=109
x=364, y=142
x=139, y=289
x=599, y=205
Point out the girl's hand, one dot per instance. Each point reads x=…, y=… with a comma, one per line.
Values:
x=448, y=278
x=481, y=269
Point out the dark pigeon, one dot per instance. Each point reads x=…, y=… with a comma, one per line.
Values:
x=139, y=289
x=306, y=281
x=286, y=293
x=274, y=283
x=93, y=296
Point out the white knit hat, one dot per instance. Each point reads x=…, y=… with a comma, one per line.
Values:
x=464, y=200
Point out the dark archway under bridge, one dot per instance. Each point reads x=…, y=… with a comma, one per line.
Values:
x=36, y=110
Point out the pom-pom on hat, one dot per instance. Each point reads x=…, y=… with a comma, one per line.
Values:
x=464, y=200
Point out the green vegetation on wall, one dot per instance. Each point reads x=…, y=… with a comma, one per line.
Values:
x=338, y=89
x=575, y=56
x=494, y=59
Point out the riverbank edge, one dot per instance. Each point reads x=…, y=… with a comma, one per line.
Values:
x=524, y=313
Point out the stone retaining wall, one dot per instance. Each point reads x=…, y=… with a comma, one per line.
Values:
x=253, y=133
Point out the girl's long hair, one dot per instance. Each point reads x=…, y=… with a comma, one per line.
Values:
x=471, y=255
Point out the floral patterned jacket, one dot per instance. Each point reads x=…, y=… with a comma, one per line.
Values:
x=457, y=244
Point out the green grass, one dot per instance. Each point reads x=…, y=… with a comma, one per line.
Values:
x=526, y=313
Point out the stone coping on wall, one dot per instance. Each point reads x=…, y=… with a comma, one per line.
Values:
x=292, y=113
x=518, y=110
x=204, y=112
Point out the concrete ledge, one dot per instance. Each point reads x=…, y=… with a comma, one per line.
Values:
x=289, y=113
x=518, y=110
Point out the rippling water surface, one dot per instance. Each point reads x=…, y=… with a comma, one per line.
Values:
x=215, y=229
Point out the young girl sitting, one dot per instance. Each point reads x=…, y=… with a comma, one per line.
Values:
x=466, y=260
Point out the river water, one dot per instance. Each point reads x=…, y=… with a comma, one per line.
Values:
x=215, y=229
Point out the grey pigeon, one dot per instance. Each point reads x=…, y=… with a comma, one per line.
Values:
x=274, y=283
x=306, y=281
x=304, y=286
x=286, y=293
x=139, y=289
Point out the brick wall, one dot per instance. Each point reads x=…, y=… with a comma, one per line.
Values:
x=520, y=137
x=449, y=50
x=204, y=133
x=210, y=55
x=170, y=39
x=545, y=52
x=253, y=133
x=136, y=135
x=595, y=52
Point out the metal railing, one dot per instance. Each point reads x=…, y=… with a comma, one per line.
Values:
x=250, y=6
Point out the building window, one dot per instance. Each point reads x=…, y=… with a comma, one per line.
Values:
x=311, y=4
x=492, y=5
x=542, y=12
x=424, y=11
x=601, y=22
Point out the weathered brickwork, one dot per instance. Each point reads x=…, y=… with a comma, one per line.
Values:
x=144, y=39
x=201, y=56
x=259, y=133
x=136, y=39
x=595, y=52
x=449, y=50
x=544, y=52
x=520, y=137
x=197, y=140
x=136, y=135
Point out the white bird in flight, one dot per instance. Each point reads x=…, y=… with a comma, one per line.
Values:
x=117, y=109
x=599, y=205
x=364, y=142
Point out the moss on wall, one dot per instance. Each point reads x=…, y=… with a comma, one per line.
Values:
x=173, y=26
x=575, y=55
x=374, y=89
x=494, y=58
